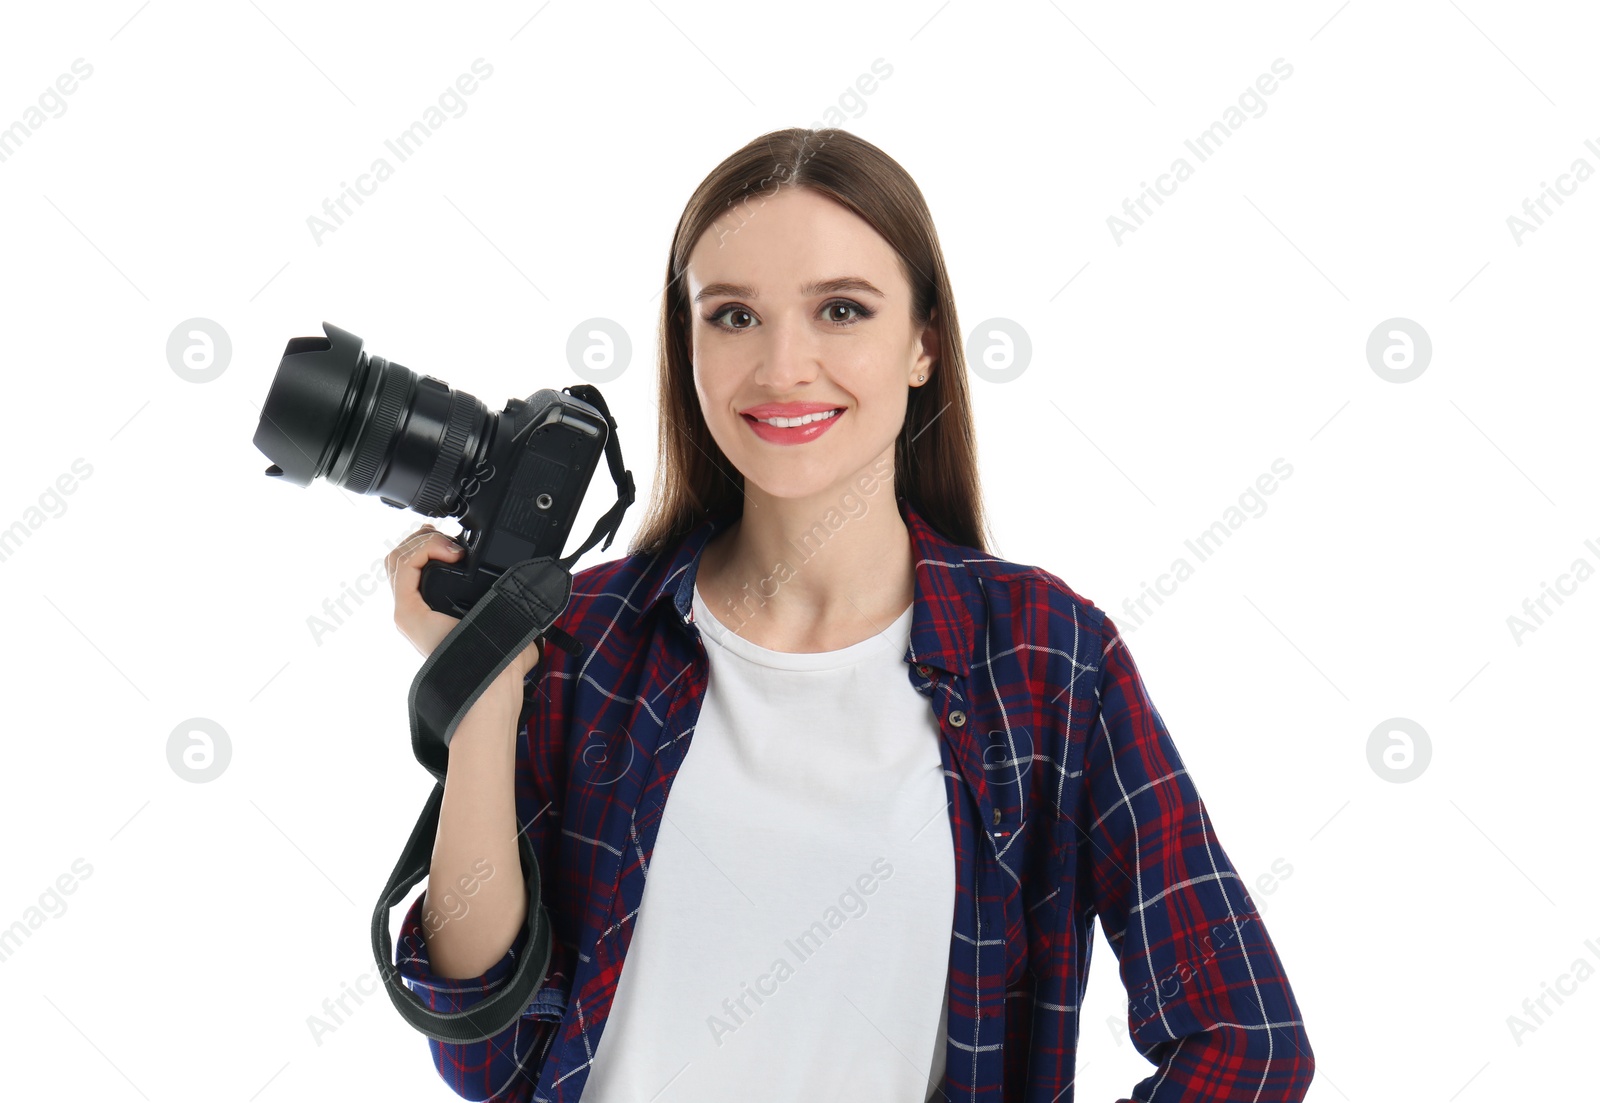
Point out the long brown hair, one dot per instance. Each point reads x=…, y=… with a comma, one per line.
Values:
x=935, y=464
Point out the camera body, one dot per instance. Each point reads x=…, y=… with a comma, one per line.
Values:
x=514, y=479
x=520, y=501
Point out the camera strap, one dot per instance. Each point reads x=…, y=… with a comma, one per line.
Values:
x=520, y=608
x=607, y=524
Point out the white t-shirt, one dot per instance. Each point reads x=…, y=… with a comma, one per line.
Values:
x=793, y=940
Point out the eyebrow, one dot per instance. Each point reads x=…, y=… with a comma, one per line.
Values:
x=819, y=287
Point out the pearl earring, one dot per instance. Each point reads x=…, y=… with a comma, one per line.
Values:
x=920, y=378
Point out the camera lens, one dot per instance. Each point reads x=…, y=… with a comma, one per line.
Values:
x=370, y=426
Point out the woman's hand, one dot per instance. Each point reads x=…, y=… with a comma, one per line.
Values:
x=424, y=626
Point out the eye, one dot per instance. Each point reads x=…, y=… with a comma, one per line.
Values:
x=712, y=318
x=861, y=314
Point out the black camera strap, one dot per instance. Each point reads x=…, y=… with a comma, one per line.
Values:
x=520, y=608
x=607, y=525
x=517, y=610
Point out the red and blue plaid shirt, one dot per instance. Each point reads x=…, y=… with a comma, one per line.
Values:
x=1068, y=801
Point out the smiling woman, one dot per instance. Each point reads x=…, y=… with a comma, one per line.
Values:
x=797, y=675
x=819, y=236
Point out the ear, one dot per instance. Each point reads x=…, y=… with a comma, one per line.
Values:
x=929, y=357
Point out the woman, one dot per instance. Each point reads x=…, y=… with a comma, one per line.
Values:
x=919, y=771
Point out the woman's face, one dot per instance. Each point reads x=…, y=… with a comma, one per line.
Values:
x=770, y=323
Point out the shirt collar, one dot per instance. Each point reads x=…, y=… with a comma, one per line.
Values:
x=947, y=599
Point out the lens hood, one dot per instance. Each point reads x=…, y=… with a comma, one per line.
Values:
x=311, y=401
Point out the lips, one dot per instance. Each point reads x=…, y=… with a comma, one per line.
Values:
x=815, y=416
x=793, y=434
x=788, y=409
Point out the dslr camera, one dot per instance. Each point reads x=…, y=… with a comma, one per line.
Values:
x=514, y=479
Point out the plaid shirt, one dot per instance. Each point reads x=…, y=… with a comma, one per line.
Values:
x=1068, y=801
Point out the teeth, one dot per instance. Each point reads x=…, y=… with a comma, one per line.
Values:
x=791, y=422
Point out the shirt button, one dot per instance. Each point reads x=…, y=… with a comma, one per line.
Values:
x=958, y=718
x=922, y=669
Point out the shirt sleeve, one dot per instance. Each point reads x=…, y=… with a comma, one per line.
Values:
x=504, y=1067
x=1209, y=1004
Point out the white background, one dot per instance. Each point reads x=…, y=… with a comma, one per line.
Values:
x=1169, y=370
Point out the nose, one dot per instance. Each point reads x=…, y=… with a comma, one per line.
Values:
x=788, y=354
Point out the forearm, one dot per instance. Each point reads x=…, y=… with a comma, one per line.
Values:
x=1208, y=998
x=476, y=900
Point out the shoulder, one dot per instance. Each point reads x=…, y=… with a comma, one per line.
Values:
x=604, y=613
x=613, y=589
x=1035, y=588
x=611, y=598
x=1038, y=606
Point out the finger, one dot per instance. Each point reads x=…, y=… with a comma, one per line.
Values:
x=423, y=545
x=404, y=549
x=397, y=554
x=405, y=577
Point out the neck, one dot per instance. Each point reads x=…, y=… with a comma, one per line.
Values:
x=806, y=573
